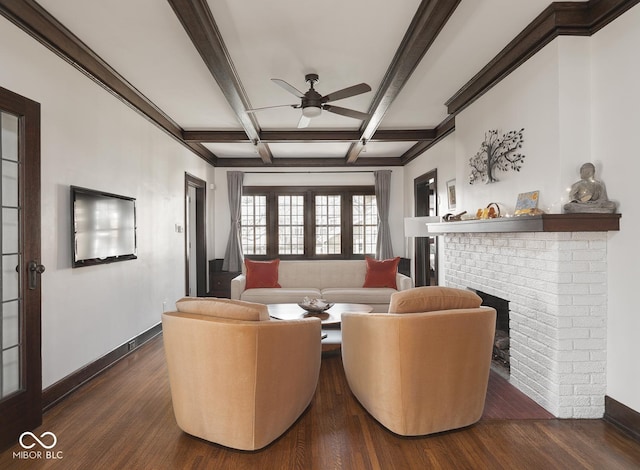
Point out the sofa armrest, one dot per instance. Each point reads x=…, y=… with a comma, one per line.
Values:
x=402, y=282
x=238, y=285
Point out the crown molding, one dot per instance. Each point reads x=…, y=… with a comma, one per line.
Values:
x=558, y=19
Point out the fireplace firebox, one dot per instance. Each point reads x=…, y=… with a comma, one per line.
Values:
x=501, y=341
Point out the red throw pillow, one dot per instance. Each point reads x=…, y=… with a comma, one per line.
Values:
x=381, y=273
x=261, y=273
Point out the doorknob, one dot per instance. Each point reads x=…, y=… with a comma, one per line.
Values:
x=34, y=269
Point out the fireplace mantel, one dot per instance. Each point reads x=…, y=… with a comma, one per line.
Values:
x=532, y=223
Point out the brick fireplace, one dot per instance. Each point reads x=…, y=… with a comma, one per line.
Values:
x=556, y=284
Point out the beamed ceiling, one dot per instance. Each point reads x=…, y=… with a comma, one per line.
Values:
x=196, y=68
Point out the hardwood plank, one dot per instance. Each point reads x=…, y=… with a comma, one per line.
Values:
x=504, y=401
x=124, y=419
x=59, y=390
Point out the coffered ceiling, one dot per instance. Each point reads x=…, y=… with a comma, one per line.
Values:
x=195, y=67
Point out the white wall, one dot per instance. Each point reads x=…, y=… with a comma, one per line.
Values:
x=578, y=101
x=309, y=177
x=529, y=99
x=616, y=118
x=91, y=139
x=549, y=97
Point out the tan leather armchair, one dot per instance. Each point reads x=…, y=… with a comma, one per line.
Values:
x=425, y=367
x=238, y=378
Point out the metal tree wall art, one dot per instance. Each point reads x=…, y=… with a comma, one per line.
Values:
x=497, y=152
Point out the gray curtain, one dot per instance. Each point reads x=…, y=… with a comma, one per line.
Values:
x=383, y=193
x=233, y=255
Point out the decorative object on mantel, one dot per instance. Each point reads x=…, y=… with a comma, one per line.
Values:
x=589, y=194
x=497, y=152
x=492, y=211
x=453, y=217
x=527, y=204
x=451, y=194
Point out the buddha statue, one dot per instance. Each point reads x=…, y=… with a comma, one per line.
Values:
x=589, y=194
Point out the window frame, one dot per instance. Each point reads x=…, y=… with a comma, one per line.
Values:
x=309, y=193
x=364, y=224
x=254, y=225
x=276, y=234
x=328, y=226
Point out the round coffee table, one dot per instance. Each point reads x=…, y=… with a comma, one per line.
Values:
x=331, y=316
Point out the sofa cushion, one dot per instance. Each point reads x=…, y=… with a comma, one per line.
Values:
x=261, y=273
x=321, y=273
x=223, y=308
x=358, y=295
x=279, y=296
x=432, y=298
x=381, y=273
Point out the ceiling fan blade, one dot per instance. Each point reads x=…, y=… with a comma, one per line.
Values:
x=346, y=92
x=276, y=106
x=290, y=88
x=346, y=112
x=304, y=122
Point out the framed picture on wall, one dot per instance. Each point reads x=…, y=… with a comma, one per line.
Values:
x=451, y=193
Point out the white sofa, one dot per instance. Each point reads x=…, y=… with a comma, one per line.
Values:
x=332, y=280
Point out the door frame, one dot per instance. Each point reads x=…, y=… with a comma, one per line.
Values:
x=422, y=248
x=22, y=410
x=200, y=186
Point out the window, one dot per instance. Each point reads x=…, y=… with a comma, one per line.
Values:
x=328, y=225
x=365, y=224
x=290, y=225
x=253, y=223
x=302, y=223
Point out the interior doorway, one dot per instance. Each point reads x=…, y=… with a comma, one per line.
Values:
x=195, y=236
x=20, y=306
x=426, y=248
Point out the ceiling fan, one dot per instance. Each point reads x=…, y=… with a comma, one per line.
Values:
x=312, y=102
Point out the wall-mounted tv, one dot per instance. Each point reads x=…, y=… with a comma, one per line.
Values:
x=103, y=227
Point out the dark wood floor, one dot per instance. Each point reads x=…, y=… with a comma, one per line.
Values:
x=123, y=420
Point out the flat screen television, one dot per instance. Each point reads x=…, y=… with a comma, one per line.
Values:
x=103, y=227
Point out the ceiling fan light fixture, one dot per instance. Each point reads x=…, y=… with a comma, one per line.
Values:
x=311, y=111
x=313, y=103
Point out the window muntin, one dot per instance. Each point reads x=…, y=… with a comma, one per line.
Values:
x=253, y=224
x=365, y=224
x=291, y=209
x=328, y=224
